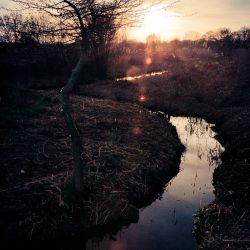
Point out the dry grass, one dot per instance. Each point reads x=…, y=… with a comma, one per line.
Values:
x=128, y=153
x=223, y=226
x=192, y=84
x=217, y=89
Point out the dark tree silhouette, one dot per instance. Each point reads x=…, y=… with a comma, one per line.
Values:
x=93, y=24
x=17, y=28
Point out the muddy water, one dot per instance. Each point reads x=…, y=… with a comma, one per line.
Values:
x=168, y=222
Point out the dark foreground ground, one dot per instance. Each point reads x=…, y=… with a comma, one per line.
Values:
x=129, y=154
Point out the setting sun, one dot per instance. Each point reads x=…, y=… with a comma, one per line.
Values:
x=158, y=21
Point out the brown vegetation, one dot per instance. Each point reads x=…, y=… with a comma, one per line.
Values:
x=215, y=88
x=129, y=155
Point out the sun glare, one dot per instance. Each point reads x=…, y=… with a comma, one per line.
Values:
x=158, y=21
x=142, y=98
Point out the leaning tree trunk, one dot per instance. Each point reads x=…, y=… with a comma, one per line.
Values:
x=76, y=146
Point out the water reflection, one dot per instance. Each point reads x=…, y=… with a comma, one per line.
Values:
x=197, y=135
x=131, y=78
x=167, y=223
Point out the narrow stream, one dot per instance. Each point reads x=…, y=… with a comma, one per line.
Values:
x=168, y=222
x=132, y=78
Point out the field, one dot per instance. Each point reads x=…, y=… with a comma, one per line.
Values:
x=129, y=152
x=217, y=89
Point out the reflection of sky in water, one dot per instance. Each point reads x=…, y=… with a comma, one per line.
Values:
x=168, y=223
x=131, y=78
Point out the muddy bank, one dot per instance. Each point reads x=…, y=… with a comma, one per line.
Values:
x=129, y=155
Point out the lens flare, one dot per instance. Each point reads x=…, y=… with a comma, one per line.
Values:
x=142, y=98
x=148, y=60
x=136, y=131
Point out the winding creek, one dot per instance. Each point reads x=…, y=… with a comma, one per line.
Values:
x=132, y=78
x=168, y=222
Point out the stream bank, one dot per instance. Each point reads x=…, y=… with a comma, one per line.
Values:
x=168, y=222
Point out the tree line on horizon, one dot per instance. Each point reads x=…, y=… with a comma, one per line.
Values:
x=35, y=45
x=38, y=29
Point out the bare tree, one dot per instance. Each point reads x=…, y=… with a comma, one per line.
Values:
x=11, y=27
x=101, y=35
x=153, y=41
x=243, y=37
x=92, y=23
x=17, y=28
x=225, y=39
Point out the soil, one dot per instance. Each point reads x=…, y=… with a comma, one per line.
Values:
x=128, y=152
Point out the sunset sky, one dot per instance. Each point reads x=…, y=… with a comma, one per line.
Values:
x=200, y=16
x=190, y=15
